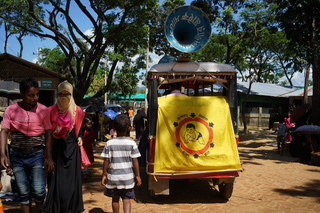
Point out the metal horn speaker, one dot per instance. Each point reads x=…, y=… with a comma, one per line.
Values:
x=188, y=29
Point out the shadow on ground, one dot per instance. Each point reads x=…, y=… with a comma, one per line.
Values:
x=181, y=191
x=310, y=189
x=262, y=144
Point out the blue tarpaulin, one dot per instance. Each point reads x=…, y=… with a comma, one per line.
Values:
x=110, y=113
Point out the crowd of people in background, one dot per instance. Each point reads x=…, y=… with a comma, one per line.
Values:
x=45, y=149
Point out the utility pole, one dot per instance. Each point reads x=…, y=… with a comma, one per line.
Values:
x=306, y=84
x=147, y=68
x=105, y=83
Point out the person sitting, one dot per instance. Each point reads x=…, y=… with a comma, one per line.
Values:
x=175, y=89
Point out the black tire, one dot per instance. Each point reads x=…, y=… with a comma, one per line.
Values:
x=152, y=194
x=225, y=190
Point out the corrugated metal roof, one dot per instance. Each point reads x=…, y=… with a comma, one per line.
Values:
x=191, y=67
x=262, y=89
x=265, y=89
x=300, y=92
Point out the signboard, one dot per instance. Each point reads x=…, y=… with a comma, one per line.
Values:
x=46, y=83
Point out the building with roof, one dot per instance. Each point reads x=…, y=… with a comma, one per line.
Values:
x=296, y=97
x=266, y=103
x=15, y=69
x=135, y=101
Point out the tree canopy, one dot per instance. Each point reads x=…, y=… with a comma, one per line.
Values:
x=300, y=20
x=113, y=33
x=264, y=40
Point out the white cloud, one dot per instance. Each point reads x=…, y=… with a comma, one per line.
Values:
x=35, y=60
x=298, y=78
x=154, y=59
x=88, y=32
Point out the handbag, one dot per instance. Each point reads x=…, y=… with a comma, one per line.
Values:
x=6, y=178
x=85, y=162
x=6, y=182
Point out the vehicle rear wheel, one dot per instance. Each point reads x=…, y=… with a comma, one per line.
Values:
x=152, y=194
x=225, y=190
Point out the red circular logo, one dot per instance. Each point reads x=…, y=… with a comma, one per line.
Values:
x=194, y=136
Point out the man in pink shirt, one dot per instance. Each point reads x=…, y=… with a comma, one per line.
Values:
x=28, y=123
x=175, y=89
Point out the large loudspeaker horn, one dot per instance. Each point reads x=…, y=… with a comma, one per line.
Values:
x=187, y=29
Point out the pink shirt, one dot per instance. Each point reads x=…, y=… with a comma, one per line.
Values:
x=176, y=93
x=30, y=123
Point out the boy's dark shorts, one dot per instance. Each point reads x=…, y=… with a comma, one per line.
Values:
x=123, y=193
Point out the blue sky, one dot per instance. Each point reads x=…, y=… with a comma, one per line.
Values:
x=32, y=44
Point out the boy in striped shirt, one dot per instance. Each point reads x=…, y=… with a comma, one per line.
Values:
x=121, y=167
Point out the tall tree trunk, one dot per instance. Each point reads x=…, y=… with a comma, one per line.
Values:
x=243, y=112
x=315, y=115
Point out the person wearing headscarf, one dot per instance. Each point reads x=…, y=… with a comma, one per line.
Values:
x=65, y=182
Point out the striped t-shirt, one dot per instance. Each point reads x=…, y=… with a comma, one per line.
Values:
x=120, y=151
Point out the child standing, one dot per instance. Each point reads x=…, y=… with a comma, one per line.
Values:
x=121, y=167
x=281, y=134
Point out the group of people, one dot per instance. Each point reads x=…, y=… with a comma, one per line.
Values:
x=44, y=153
x=284, y=132
x=300, y=144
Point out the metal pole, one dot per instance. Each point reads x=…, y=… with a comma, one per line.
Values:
x=147, y=68
x=105, y=83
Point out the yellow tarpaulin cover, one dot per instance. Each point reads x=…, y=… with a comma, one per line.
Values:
x=195, y=134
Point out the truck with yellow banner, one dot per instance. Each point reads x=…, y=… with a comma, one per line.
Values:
x=191, y=135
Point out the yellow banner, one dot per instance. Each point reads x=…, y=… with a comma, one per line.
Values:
x=195, y=134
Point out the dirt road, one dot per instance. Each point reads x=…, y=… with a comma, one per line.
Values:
x=269, y=183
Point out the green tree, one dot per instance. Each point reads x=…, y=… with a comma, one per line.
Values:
x=157, y=25
x=288, y=58
x=125, y=78
x=98, y=81
x=224, y=43
x=246, y=36
x=52, y=59
x=18, y=16
x=300, y=19
x=118, y=31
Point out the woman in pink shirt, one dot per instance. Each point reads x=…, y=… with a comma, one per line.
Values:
x=65, y=182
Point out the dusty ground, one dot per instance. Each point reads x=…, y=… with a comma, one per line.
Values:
x=269, y=183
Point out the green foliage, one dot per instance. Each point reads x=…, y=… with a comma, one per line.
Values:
x=246, y=35
x=156, y=25
x=118, y=33
x=14, y=18
x=51, y=59
x=98, y=81
x=300, y=20
x=125, y=81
